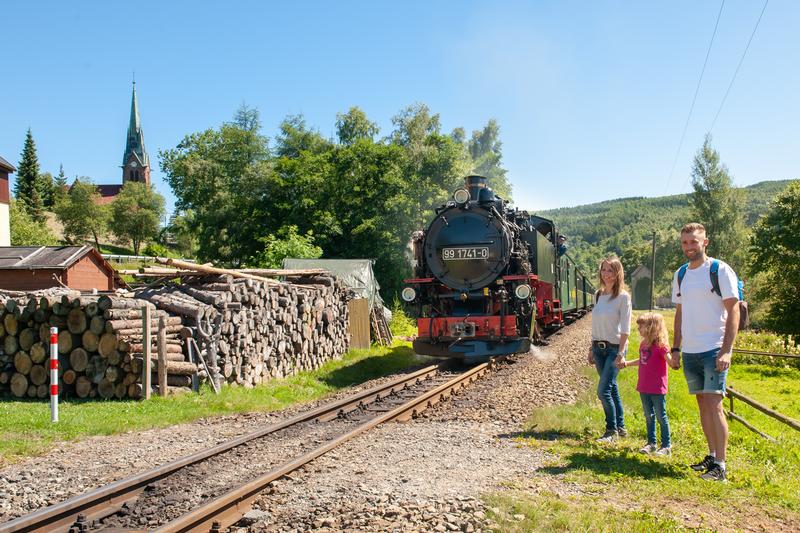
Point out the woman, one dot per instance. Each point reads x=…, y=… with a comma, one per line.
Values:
x=611, y=326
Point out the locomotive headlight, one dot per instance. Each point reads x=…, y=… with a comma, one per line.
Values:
x=461, y=196
x=408, y=294
x=522, y=291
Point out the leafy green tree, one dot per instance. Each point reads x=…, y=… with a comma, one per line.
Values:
x=27, y=188
x=223, y=177
x=25, y=231
x=354, y=125
x=775, y=247
x=80, y=212
x=718, y=206
x=182, y=234
x=287, y=242
x=247, y=118
x=485, y=149
x=136, y=212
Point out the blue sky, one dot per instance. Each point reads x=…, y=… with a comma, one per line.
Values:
x=591, y=97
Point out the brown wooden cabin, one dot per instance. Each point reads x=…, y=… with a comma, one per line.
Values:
x=29, y=268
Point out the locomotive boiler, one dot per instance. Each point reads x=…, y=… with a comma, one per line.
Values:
x=488, y=279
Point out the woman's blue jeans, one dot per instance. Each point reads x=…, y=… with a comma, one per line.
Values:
x=655, y=408
x=607, y=390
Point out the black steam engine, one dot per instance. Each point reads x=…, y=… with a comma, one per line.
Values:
x=479, y=288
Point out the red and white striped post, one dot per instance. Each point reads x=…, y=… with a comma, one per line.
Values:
x=54, y=374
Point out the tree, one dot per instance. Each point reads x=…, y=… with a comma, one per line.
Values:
x=485, y=149
x=59, y=185
x=46, y=190
x=27, y=232
x=223, y=177
x=27, y=189
x=136, y=212
x=182, y=233
x=80, y=212
x=775, y=247
x=354, y=125
x=247, y=118
x=287, y=242
x=718, y=206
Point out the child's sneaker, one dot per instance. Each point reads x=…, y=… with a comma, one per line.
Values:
x=622, y=432
x=703, y=465
x=715, y=473
x=665, y=451
x=648, y=449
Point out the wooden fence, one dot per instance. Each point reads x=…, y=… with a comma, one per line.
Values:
x=791, y=422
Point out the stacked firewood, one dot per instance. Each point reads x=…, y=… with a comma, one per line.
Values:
x=251, y=330
x=244, y=329
x=100, y=345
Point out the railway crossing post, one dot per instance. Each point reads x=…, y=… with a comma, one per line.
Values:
x=54, y=374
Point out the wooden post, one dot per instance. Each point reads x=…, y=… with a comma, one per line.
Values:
x=653, y=275
x=146, y=342
x=162, y=357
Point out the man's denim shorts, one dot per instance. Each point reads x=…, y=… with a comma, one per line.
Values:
x=701, y=373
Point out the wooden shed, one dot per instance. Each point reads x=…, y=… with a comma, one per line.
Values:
x=29, y=268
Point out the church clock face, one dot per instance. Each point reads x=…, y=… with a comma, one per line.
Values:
x=134, y=164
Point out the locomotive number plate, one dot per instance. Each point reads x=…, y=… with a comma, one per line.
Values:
x=458, y=254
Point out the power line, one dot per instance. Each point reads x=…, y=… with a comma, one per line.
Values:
x=694, y=98
x=724, y=98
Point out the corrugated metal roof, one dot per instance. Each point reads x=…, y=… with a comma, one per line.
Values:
x=5, y=165
x=39, y=257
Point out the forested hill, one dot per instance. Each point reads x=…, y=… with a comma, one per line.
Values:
x=625, y=227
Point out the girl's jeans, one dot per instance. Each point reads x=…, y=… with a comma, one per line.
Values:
x=655, y=408
x=607, y=390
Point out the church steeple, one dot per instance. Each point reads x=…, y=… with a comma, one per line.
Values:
x=135, y=162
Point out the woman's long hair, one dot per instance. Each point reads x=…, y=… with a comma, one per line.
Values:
x=653, y=330
x=619, y=281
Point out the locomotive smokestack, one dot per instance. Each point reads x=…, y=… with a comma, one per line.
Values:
x=475, y=184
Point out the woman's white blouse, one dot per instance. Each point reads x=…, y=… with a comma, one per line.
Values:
x=611, y=317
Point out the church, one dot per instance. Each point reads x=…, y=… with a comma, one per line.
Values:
x=135, y=162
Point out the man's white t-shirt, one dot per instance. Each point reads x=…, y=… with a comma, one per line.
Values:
x=703, y=314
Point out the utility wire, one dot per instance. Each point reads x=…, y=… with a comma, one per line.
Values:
x=694, y=98
x=724, y=98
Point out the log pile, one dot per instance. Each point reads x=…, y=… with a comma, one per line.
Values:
x=252, y=330
x=100, y=345
x=247, y=329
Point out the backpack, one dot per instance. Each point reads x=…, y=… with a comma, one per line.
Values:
x=744, y=313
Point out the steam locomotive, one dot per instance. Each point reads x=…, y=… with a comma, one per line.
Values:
x=489, y=280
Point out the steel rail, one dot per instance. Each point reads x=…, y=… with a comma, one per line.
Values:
x=107, y=500
x=231, y=506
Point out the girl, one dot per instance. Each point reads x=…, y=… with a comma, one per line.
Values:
x=654, y=356
x=611, y=325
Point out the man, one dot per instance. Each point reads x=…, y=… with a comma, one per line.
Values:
x=706, y=323
x=562, y=245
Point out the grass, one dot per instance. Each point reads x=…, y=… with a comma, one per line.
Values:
x=25, y=428
x=588, y=486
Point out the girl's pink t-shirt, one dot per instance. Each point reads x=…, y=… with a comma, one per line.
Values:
x=653, y=377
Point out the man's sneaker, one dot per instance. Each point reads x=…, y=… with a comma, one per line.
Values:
x=622, y=432
x=703, y=465
x=609, y=436
x=647, y=449
x=664, y=451
x=715, y=473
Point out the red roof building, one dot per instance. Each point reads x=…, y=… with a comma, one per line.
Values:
x=30, y=268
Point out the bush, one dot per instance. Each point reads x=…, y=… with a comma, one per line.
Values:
x=156, y=250
x=401, y=324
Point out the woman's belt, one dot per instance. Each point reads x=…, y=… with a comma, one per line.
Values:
x=604, y=345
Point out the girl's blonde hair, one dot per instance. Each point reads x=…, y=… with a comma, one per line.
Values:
x=619, y=282
x=653, y=330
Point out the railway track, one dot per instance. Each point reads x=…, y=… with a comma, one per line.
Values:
x=131, y=503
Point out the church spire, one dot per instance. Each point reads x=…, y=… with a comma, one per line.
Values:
x=135, y=162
